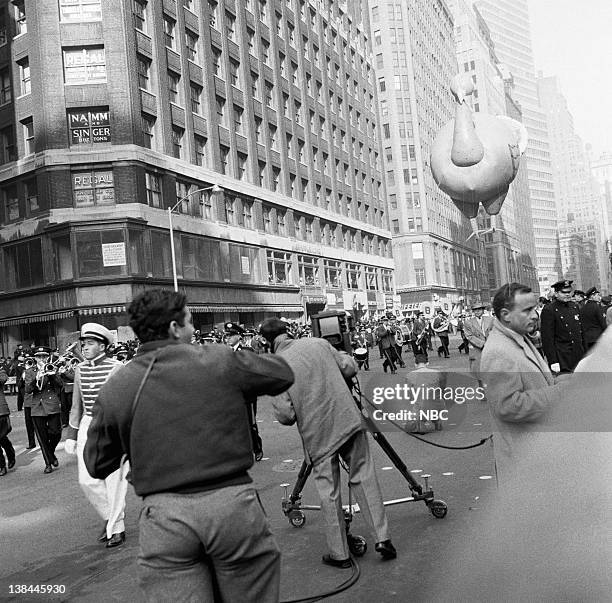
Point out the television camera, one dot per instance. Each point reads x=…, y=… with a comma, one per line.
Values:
x=335, y=327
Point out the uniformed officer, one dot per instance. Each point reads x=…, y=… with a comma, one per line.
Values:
x=562, y=338
x=592, y=318
x=234, y=335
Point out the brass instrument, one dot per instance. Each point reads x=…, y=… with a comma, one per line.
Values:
x=29, y=363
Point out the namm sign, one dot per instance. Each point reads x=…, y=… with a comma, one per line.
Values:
x=89, y=126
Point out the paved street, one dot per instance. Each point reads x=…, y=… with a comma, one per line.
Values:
x=48, y=530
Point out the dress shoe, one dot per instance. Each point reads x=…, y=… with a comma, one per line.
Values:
x=30, y=446
x=3, y=471
x=103, y=537
x=385, y=367
x=11, y=464
x=386, y=549
x=55, y=462
x=115, y=540
x=341, y=563
x=48, y=469
x=258, y=455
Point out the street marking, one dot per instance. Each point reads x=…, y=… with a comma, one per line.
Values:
x=448, y=473
x=387, y=468
x=486, y=477
x=416, y=471
x=288, y=461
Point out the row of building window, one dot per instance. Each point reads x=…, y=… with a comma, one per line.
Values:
x=117, y=252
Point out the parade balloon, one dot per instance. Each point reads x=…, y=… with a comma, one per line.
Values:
x=476, y=156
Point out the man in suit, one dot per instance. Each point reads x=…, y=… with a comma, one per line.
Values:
x=562, y=338
x=476, y=330
x=520, y=386
x=592, y=318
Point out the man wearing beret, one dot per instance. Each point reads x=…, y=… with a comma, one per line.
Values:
x=178, y=412
x=108, y=495
x=562, y=337
x=592, y=318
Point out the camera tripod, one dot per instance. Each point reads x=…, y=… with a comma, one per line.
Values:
x=294, y=509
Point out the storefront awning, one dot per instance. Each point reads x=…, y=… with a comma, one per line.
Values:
x=315, y=299
x=101, y=310
x=32, y=318
x=209, y=308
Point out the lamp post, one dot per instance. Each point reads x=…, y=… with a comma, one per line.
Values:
x=215, y=189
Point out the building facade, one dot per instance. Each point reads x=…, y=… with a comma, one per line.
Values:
x=114, y=111
x=509, y=249
x=601, y=171
x=414, y=60
x=580, y=211
x=508, y=22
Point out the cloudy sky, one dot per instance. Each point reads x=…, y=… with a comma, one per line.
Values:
x=572, y=39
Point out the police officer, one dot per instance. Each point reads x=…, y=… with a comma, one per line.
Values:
x=562, y=338
x=592, y=318
x=234, y=335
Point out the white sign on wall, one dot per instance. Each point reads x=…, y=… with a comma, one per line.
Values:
x=113, y=254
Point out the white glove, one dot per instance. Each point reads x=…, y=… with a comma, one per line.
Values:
x=70, y=446
x=555, y=368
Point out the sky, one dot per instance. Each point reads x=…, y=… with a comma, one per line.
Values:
x=572, y=39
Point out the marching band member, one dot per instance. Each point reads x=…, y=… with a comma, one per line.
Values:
x=361, y=352
x=420, y=329
x=441, y=326
x=108, y=495
x=44, y=386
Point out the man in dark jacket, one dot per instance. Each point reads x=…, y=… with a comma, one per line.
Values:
x=178, y=411
x=5, y=429
x=592, y=318
x=562, y=338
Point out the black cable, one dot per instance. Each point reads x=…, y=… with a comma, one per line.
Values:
x=362, y=396
x=342, y=587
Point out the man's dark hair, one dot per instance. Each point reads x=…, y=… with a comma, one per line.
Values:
x=152, y=312
x=505, y=295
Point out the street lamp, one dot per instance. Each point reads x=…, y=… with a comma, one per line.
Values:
x=215, y=189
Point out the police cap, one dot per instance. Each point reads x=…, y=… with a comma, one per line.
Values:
x=233, y=328
x=592, y=291
x=40, y=350
x=560, y=285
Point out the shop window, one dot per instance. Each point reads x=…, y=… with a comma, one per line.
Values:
x=279, y=267
x=161, y=255
x=200, y=258
x=62, y=258
x=24, y=265
x=101, y=253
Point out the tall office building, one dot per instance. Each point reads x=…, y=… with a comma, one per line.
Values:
x=579, y=209
x=601, y=171
x=510, y=249
x=113, y=111
x=414, y=58
x=508, y=22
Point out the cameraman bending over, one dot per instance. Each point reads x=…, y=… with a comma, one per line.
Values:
x=203, y=533
x=330, y=426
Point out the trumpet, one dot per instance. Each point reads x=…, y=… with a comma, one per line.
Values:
x=29, y=363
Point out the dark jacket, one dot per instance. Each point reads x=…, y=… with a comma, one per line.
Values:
x=44, y=399
x=562, y=339
x=190, y=430
x=593, y=321
x=4, y=409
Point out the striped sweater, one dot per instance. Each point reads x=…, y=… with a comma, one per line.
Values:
x=89, y=377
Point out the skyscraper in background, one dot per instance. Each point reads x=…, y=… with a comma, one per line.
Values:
x=414, y=59
x=580, y=210
x=509, y=250
x=508, y=22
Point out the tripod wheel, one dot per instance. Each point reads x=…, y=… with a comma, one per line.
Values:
x=438, y=509
x=357, y=545
x=297, y=519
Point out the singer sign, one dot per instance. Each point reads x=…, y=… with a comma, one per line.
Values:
x=89, y=126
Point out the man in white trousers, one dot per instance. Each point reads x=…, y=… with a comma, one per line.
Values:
x=108, y=495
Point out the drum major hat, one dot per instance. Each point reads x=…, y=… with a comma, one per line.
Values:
x=95, y=331
x=233, y=328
